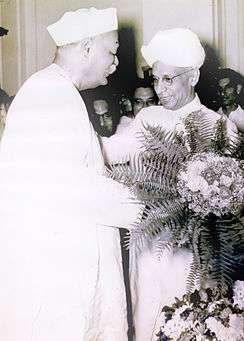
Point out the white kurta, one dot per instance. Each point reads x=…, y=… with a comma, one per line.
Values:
x=236, y=116
x=154, y=282
x=60, y=264
x=120, y=147
x=123, y=124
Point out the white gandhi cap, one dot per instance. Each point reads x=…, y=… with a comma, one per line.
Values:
x=176, y=47
x=83, y=23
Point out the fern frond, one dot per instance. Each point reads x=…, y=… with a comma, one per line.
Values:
x=151, y=174
x=219, y=240
x=200, y=133
x=205, y=128
x=153, y=137
x=127, y=173
x=220, y=142
x=237, y=147
x=191, y=134
x=164, y=216
x=196, y=271
x=160, y=244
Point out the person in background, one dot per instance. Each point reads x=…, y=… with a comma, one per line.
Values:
x=143, y=97
x=103, y=109
x=230, y=90
x=60, y=258
x=104, y=120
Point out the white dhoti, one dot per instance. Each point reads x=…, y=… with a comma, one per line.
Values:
x=155, y=283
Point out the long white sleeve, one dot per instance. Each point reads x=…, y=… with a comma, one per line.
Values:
x=120, y=147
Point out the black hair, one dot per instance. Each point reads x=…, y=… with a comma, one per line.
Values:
x=143, y=83
x=235, y=77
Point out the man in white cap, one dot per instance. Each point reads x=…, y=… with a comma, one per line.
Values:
x=175, y=56
x=60, y=261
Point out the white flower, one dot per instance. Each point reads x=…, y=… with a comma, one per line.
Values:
x=203, y=295
x=175, y=327
x=199, y=328
x=235, y=331
x=211, y=307
x=212, y=184
x=237, y=322
x=238, y=295
x=198, y=183
x=225, y=313
x=225, y=180
x=180, y=128
x=216, y=327
x=214, y=189
x=181, y=310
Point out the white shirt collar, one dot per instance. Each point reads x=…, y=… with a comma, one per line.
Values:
x=180, y=113
x=60, y=71
x=190, y=107
x=238, y=109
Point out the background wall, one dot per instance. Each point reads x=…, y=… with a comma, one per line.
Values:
x=196, y=15
x=28, y=46
x=10, y=62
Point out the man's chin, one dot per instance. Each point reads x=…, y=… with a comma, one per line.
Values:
x=166, y=105
x=98, y=83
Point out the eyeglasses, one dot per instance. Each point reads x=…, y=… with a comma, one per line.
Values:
x=169, y=80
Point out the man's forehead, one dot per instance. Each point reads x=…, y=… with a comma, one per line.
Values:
x=100, y=104
x=159, y=69
x=111, y=38
x=143, y=92
x=224, y=81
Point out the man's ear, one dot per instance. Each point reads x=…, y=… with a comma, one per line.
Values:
x=238, y=88
x=195, y=74
x=85, y=46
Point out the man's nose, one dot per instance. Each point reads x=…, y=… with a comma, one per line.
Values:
x=145, y=104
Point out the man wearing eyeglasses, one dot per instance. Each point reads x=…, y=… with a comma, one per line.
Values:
x=144, y=96
x=175, y=56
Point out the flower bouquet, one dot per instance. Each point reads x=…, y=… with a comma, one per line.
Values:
x=192, y=186
x=204, y=315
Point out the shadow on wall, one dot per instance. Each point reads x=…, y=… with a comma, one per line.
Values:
x=123, y=80
x=207, y=85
